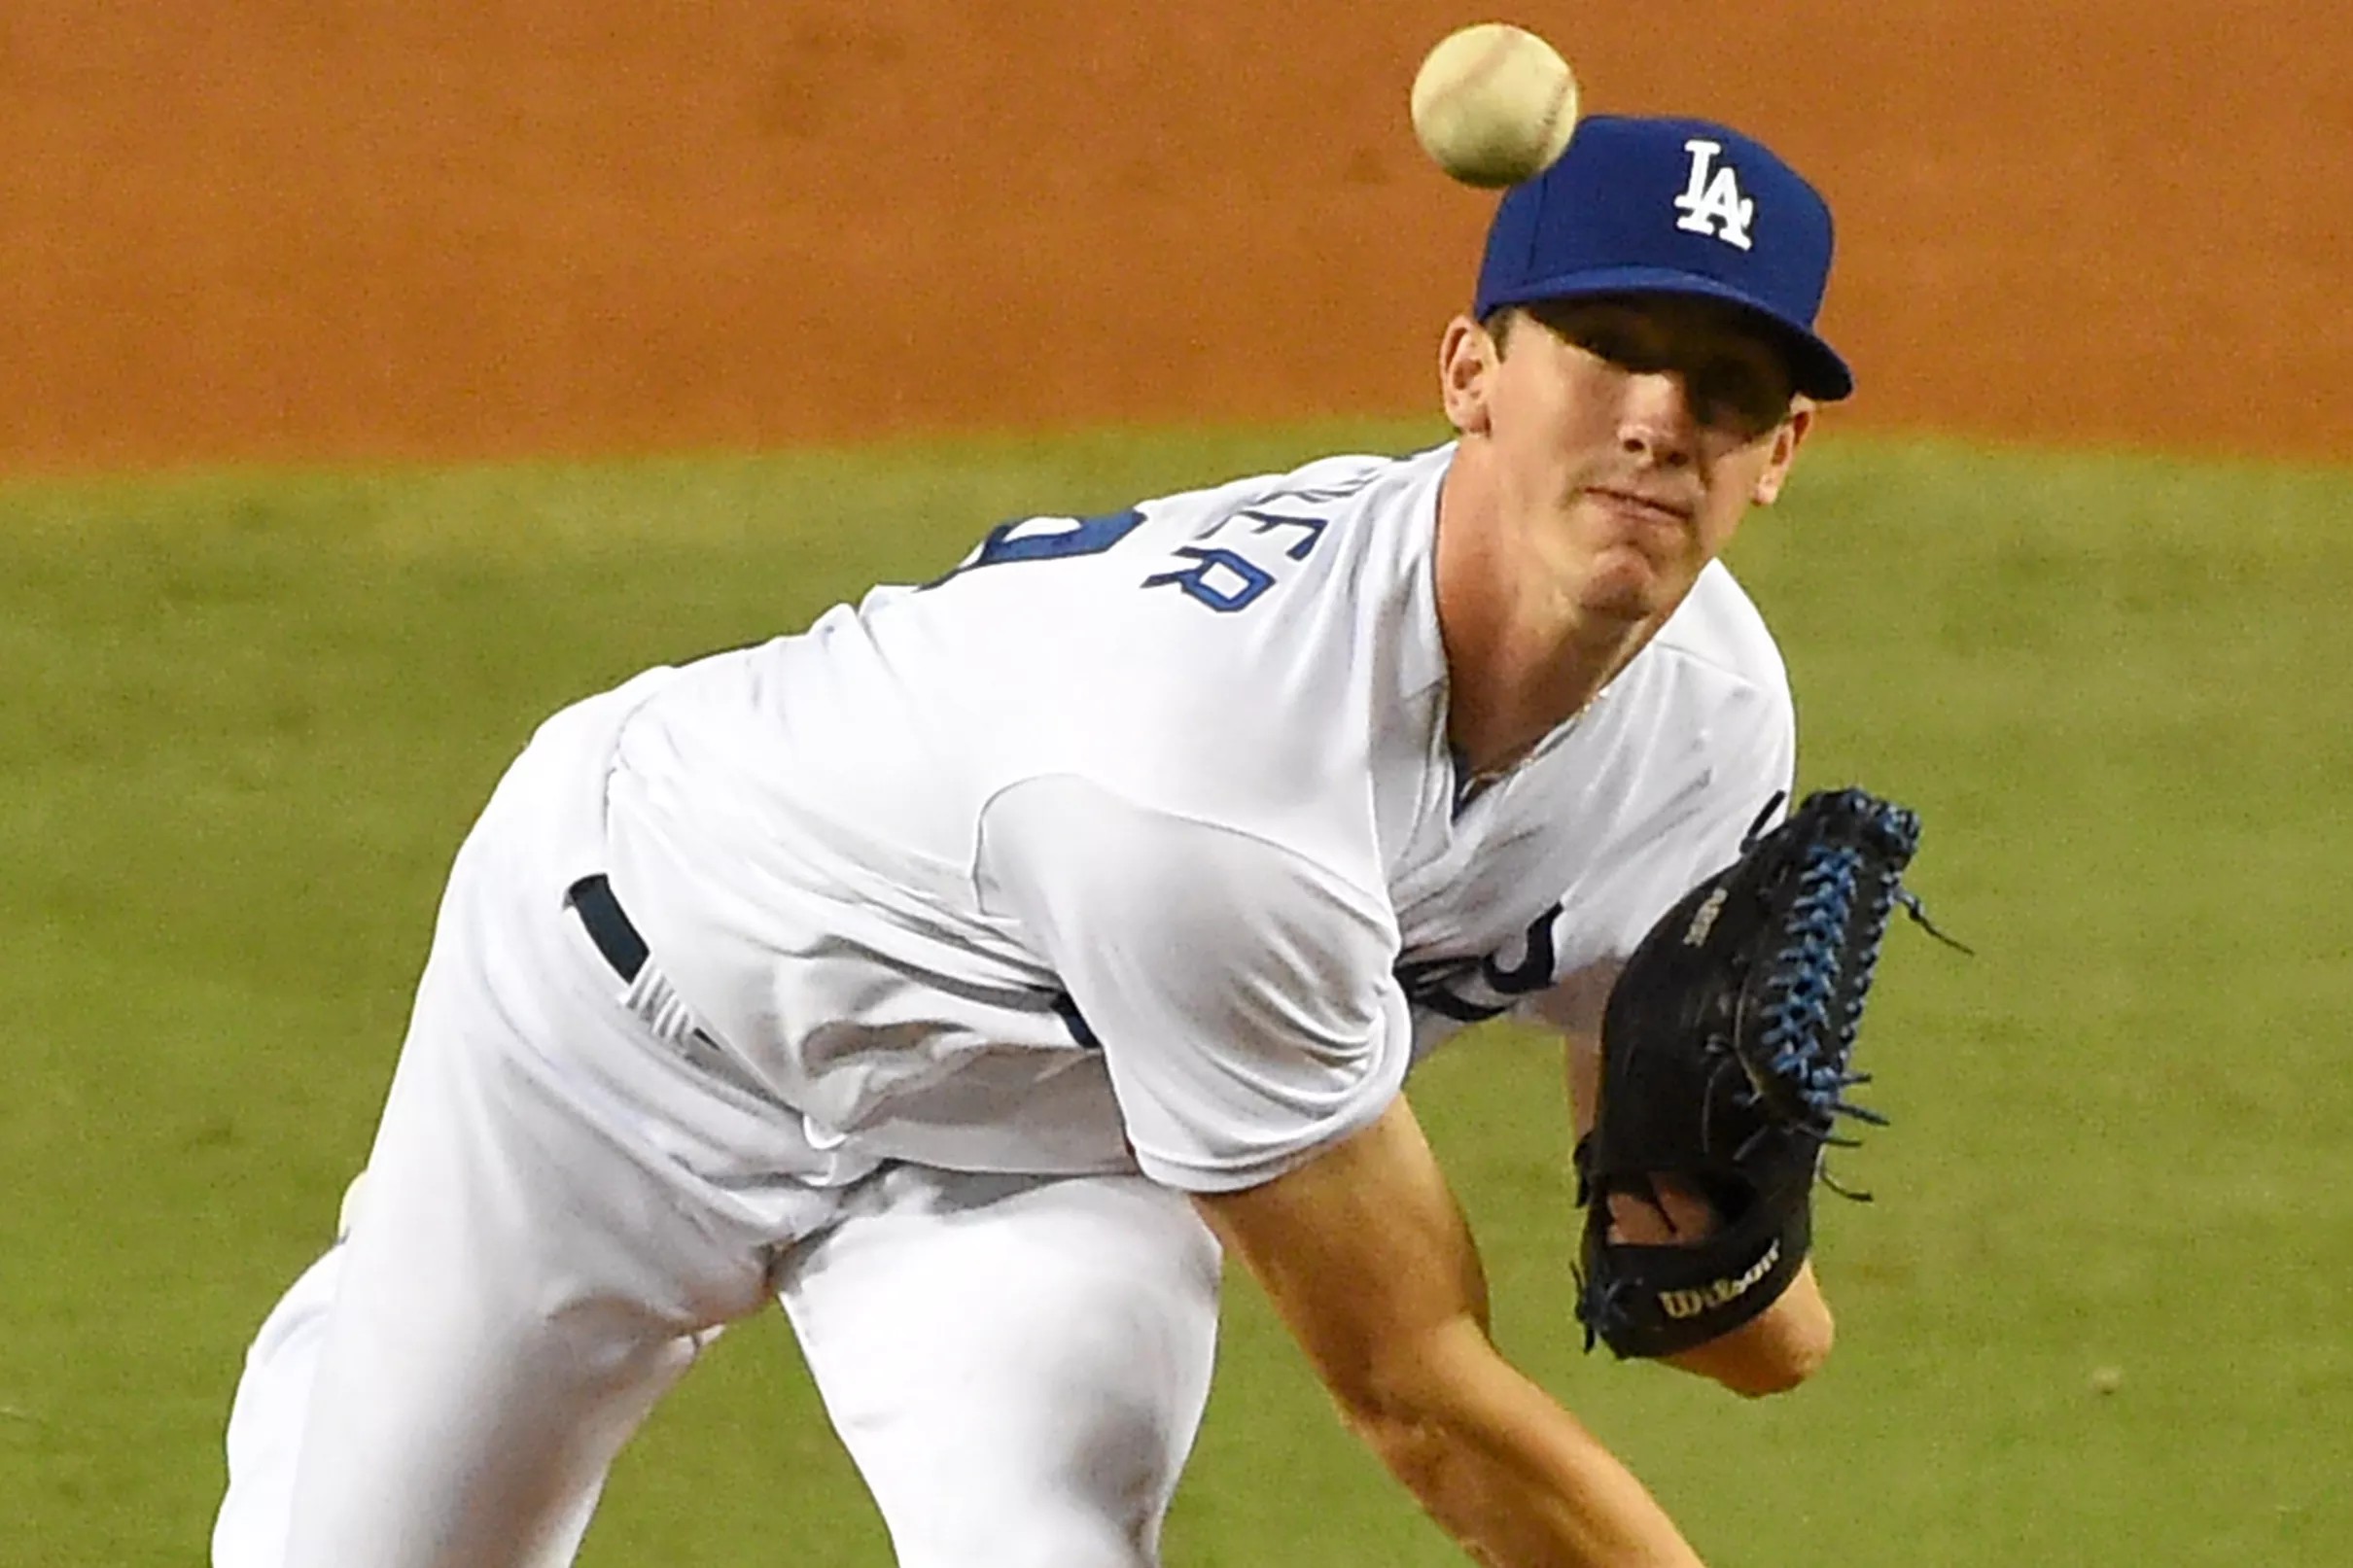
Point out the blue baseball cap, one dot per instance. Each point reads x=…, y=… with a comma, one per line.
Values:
x=1639, y=205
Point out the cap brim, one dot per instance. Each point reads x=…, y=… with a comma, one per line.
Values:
x=1816, y=370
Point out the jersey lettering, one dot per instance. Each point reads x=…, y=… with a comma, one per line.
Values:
x=1222, y=578
x=1046, y=539
x=1227, y=581
x=1470, y=990
x=1219, y=579
x=1310, y=529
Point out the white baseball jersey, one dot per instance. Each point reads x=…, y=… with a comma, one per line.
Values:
x=1136, y=840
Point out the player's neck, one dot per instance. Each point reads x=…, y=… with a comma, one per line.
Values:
x=1511, y=680
x=1522, y=659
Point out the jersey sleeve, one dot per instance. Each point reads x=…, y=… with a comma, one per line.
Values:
x=1242, y=996
x=1698, y=833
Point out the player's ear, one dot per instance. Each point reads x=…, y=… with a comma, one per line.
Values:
x=1787, y=437
x=1466, y=358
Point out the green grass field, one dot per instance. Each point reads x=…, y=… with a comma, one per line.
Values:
x=247, y=719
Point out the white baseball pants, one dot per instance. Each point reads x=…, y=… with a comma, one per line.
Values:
x=568, y=1198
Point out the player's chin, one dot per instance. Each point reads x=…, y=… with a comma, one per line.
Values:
x=1627, y=583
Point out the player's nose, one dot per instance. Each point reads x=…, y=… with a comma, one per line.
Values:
x=1657, y=421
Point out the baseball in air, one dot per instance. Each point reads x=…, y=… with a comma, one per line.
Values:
x=1493, y=104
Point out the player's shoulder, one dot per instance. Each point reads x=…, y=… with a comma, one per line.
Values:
x=1714, y=676
x=1272, y=641
x=1345, y=482
x=1719, y=632
x=1258, y=589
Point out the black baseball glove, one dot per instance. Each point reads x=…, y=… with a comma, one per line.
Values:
x=1726, y=1058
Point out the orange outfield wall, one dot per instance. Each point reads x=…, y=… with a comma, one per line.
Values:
x=303, y=229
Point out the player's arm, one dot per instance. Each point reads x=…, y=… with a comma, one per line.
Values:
x=1770, y=1354
x=1366, y=1256
x=1243, y=998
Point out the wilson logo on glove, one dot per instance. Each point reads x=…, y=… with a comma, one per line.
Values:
x=1692, y=1303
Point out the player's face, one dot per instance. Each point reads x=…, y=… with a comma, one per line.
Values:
x=1627, y=438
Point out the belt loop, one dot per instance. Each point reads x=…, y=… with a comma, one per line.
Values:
x=591, y=898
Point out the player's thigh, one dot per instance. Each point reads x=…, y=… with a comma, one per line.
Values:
x=269, y=1418
x=517, y=1290
x=1017, y=1365
x=266, y=1421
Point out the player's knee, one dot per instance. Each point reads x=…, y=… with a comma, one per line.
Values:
x=1049, y=1535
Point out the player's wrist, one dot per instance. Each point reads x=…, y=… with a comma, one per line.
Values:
x=1773, y=1353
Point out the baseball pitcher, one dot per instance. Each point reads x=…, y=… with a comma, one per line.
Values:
x=976, y=970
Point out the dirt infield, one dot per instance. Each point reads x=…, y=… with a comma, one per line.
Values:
x=290, y=229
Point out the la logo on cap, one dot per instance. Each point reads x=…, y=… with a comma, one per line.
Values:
x=1641, y=204
x=1711, y=203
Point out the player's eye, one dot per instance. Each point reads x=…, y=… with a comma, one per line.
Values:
x=1739, y=396
x=1617, y=343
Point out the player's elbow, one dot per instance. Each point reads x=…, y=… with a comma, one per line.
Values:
x=1382, y=1406
x=1426, y=1452
x=1408, y=1448
x=1402, y=1410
